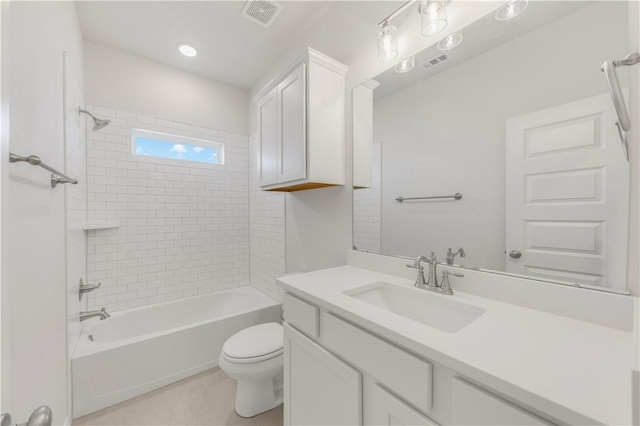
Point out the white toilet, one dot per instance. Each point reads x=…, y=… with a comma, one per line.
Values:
x=254, y=357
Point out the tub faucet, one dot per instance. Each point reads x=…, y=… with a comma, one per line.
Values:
x=451, y=255
x=90, y=314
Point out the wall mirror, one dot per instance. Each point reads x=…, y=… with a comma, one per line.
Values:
x=518, y=121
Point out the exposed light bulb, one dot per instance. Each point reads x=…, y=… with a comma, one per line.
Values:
x=451, y=42
x=405, y=65
x=511, y=10
x=387, y=43
x=433, y=16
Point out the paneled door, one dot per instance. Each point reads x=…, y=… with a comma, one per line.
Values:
x=567, y=195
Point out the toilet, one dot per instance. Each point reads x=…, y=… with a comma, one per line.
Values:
x=254, y=357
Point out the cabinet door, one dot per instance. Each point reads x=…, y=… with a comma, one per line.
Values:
x=390, y=411
x=319, y=389
x=293, y=127
x=268, y=138
x=474, y=406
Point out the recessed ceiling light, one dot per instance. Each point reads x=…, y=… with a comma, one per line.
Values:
x=187, y=50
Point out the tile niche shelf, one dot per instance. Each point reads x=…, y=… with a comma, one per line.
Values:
x=97, y=226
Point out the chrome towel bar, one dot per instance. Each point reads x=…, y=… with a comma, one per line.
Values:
x=624, y=122
x=456, y=196
x=34, y=160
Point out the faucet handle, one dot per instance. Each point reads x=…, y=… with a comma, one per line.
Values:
x=445, y=284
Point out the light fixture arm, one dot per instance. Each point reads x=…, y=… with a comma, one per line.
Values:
x=395, y=13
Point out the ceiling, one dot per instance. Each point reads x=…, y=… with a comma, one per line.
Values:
x=231, y=49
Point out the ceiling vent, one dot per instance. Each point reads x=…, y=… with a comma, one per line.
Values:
x=434, y=61
x=262, y=12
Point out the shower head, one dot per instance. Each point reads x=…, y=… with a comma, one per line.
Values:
x=98, y=123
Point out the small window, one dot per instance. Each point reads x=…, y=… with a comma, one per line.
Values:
x=174, y=147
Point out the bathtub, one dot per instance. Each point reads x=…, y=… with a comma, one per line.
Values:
x=139, y=350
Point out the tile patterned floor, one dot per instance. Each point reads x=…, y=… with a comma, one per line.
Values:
x=204, y=399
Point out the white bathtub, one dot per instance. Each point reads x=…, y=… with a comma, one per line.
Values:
x=142, y=349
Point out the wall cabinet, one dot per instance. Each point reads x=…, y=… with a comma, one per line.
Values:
x=319, y=388
x=337, y=372
x=301, y=126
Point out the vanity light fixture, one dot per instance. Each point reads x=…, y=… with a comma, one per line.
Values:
x=405, y=65
x=451, y=41
x=387, y=42
x=187, y=50
x=433, y=15
x=511, y=10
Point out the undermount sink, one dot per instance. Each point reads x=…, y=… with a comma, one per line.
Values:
x=419, y=305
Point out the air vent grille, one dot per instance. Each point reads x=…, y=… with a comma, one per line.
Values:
x=434, y=61
x=262, y=12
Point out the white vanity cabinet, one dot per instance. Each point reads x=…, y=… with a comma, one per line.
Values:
x=300, y=126
x=319, y=388
x=339, y=372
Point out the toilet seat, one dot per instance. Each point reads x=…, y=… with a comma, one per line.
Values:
x=254, y=344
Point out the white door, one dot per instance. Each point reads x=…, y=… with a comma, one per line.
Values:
x=567, y=195
x=319, y=389
x=293, y=130
x=268, y=138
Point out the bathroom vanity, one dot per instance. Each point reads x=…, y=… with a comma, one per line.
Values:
x=365, y=347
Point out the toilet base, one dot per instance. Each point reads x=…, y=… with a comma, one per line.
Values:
x=255, y=397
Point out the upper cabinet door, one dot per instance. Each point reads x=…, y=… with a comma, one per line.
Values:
x=268, y=138
x=293, y=127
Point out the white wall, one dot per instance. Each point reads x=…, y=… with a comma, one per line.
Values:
x=183, y=226
x=440, y=136
x=39, y=33
x=118, y=80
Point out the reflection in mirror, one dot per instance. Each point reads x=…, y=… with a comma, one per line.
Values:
x=516, y=118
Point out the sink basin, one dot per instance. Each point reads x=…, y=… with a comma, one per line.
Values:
x=436, y=311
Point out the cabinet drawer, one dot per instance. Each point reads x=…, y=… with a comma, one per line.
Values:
x=304, y=316
x=389, y=410
x=403, y=373
x=474, y=406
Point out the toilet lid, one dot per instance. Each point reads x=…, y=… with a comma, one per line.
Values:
x=255, y=342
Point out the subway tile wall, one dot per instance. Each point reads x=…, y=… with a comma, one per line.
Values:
x=267, y=231
x=366, y=208
x=183, y=226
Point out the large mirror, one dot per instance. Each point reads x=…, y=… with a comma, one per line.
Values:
x=517, y=122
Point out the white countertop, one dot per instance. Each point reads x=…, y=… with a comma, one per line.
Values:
x=575, y=371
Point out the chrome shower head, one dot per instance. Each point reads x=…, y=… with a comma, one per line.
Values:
x=98, y=123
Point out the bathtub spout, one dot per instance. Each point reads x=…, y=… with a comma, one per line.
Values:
x=101, y=313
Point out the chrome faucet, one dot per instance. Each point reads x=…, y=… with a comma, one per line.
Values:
x=445, y=287
x=417, y=264
x=432, y=280
x=90, y=314
x=451, y=255
x=431, y=283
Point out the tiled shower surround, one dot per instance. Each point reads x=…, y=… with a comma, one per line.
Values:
x=366, y=208
x=183, y=227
